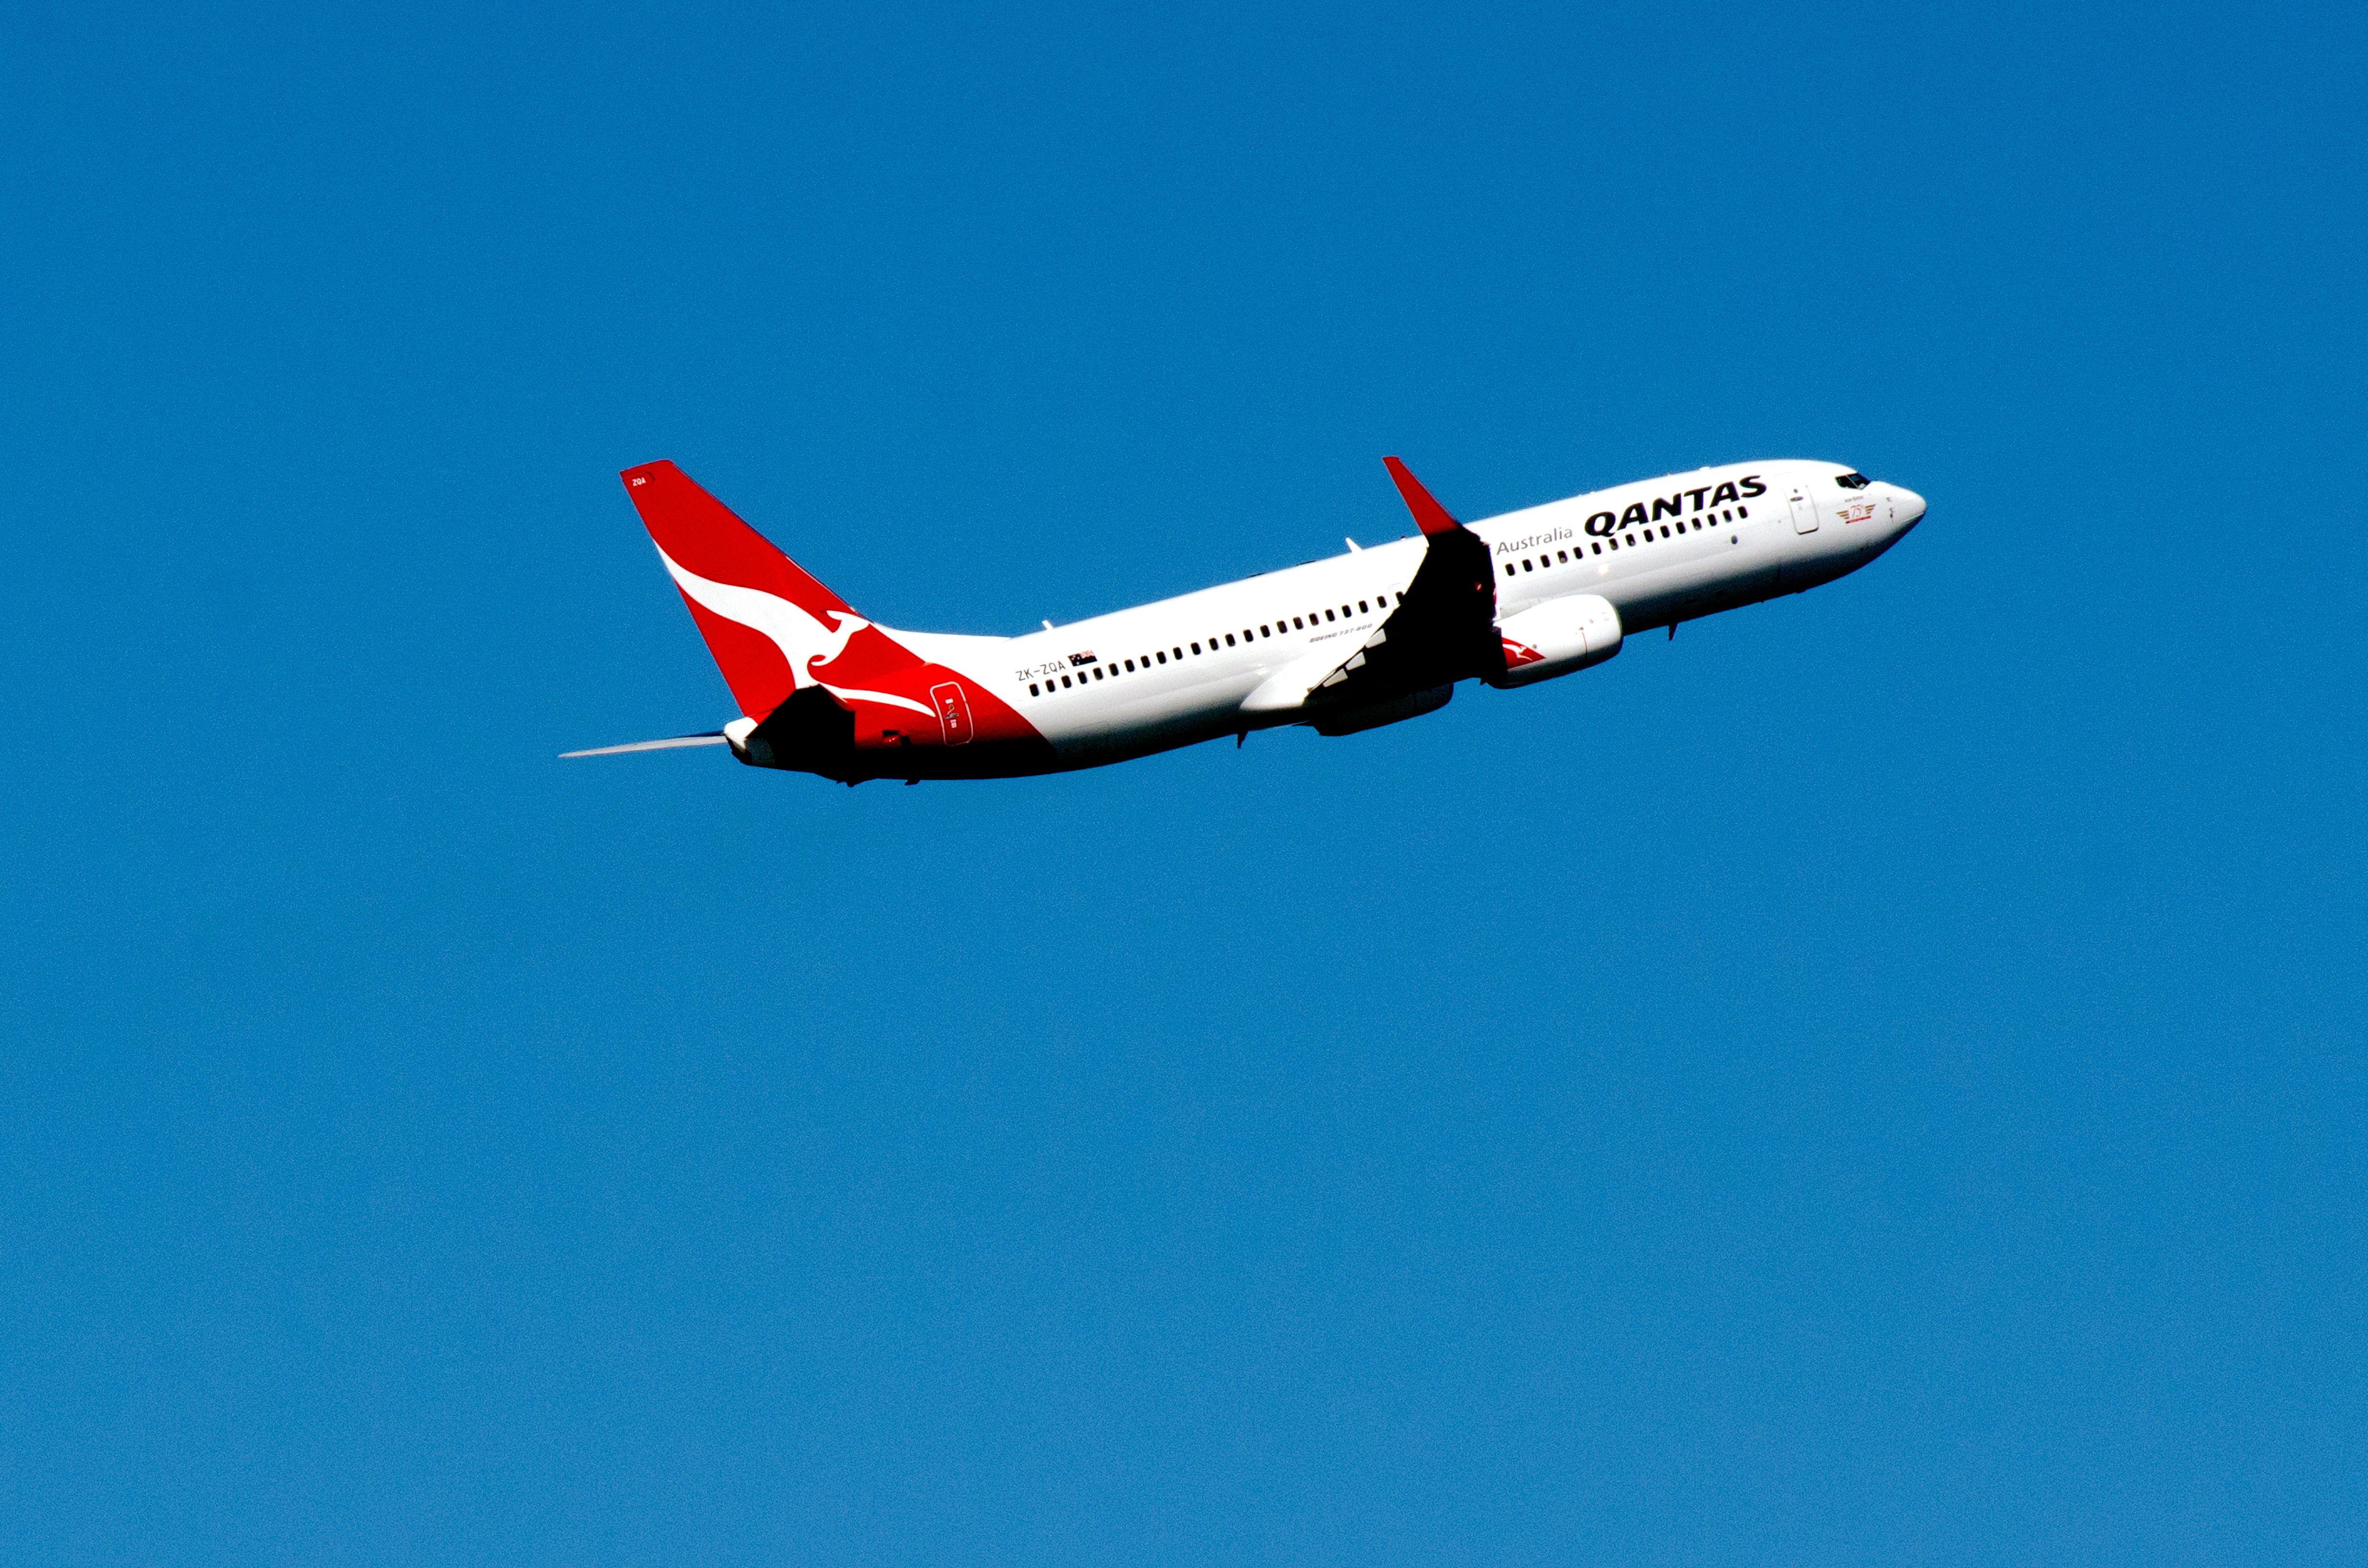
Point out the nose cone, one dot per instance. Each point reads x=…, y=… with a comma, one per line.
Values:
x=1906, y=508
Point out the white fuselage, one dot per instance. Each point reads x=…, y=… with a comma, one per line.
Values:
x=1661, y=551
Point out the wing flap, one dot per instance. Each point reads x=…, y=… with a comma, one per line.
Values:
x=1289, y=687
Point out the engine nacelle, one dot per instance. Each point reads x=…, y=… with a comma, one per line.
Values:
x=1557, y=637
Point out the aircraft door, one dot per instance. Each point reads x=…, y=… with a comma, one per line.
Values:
x=954, y=712
x=1805, y=513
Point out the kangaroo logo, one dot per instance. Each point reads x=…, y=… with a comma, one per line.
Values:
x=809, y=646
x=835, y=640
x=801, y=636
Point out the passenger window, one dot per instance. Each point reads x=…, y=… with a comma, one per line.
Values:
x=1161, y=657
x=1563, y=556
x=1098, y=672
x=1180, y=652
x=1344, y=609
x=1195, y=647
x=1743, y=511
x=1229, y=638
x=1665, y=530
x=1032, y=689
x=1327, y=613
x=1065, y=682
x=1508, y=568
x=1360, y=608
x=1129, y=664
x=1299, y=623
x=1264, y=633
x=1528, y=566
x=1597, y=548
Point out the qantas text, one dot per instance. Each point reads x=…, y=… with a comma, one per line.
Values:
x=1637, y=515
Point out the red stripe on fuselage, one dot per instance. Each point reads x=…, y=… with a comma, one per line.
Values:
x=895, y=742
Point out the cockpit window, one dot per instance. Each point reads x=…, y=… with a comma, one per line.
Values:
x=1851, y=480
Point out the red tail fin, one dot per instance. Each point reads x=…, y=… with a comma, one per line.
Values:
x=761, y=614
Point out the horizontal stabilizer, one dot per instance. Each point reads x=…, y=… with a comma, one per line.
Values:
x=704, y=738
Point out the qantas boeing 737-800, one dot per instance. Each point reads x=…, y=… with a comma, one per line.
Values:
x=1340, y=645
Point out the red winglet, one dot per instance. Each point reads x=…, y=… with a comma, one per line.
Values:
x=1433, y=517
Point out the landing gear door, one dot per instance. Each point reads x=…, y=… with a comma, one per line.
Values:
x=1805, y=513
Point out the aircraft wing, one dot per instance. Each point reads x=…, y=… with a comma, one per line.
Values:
x=1445, y=628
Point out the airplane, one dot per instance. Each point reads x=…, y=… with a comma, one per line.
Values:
x=1375, y=636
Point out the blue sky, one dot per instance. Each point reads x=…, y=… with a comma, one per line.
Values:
x=1876, y=1079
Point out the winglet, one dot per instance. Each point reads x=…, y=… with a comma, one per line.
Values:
x=1433, y=517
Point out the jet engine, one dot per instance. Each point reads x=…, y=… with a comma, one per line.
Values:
x=1557, y=637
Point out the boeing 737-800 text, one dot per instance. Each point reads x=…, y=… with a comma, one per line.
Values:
x=1342, y=644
